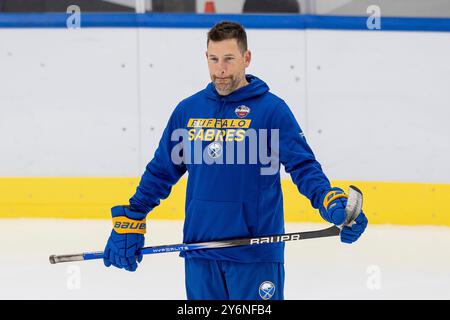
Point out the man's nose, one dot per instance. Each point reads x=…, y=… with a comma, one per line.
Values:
x=222, y=68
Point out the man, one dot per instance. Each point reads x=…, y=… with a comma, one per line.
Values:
x=229, y=199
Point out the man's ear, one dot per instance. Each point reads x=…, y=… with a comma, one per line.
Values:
x=206, y=54
x=247, y=58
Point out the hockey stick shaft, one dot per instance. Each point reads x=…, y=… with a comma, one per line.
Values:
x=329, y=232
x=353, y=208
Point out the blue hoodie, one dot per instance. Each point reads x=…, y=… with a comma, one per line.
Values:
x=225, y=201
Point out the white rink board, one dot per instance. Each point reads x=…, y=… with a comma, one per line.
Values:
x=68, y=102
x=94, y=102
x=378, y=104
x=386, y=263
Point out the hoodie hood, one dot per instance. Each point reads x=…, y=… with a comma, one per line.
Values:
x=255, y=87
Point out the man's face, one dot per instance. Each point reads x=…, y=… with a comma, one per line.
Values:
x=226, y=64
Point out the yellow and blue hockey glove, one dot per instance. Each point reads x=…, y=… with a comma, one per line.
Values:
x=333, y=211
x=127, y=237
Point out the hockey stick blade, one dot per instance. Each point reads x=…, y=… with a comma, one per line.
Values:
x=354, y=204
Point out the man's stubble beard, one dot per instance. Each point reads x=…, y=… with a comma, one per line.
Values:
x=226, y=88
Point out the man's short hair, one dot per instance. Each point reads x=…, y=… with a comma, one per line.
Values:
x=226, y=30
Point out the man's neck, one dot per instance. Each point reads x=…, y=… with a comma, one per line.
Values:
x=243, y=83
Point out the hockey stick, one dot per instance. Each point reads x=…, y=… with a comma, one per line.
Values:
x=353, y=208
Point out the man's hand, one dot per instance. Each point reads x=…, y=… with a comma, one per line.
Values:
x=127, y=237
x=333, y=211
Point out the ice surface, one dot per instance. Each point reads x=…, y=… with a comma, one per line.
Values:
x=388, y=262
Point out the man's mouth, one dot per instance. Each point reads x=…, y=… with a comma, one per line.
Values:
x=222, y=80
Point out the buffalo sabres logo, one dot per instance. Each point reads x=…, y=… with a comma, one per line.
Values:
x=242, y=111
x=215, y=150
x=266, y=290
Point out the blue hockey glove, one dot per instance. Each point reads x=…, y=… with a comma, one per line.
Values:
x=333, y=206
x=126, y=238
x=350, y=234
x=333, y=211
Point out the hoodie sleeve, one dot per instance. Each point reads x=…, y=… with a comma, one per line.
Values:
x=161, y=173
x=298, y=158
